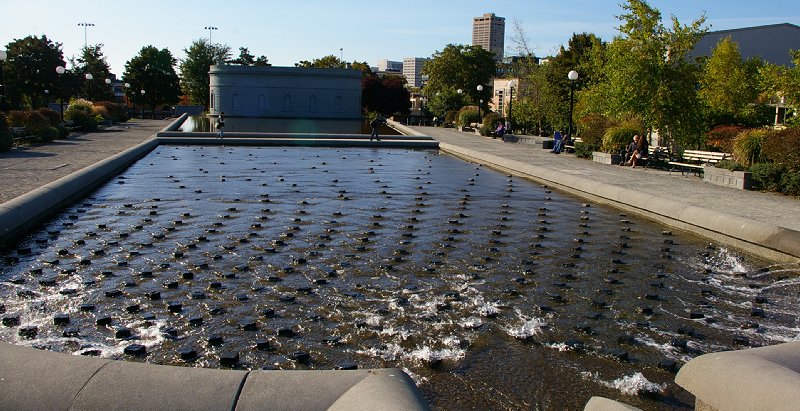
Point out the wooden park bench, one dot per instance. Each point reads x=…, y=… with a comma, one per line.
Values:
x=656, y=156
x=695, y=160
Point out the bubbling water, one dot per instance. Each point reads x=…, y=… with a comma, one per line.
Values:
x=490, y=291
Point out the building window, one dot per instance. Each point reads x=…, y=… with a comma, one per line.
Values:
x=212, y=100
x=262, y=103
x=287, y=103
x=312, y=104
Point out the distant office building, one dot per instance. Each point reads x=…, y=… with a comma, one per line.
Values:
x=771, y=43
x=412, y=70
x=489, y=32
x=389, y=66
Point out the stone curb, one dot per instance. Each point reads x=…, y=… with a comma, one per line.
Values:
x=36, y=380
x=765, y=378
x=302, y=142
x=764, y=239
x=34, y=207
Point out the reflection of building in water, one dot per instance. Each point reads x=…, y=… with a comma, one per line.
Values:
x=290, y=92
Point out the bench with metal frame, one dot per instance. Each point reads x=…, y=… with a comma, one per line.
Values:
x=695, y=160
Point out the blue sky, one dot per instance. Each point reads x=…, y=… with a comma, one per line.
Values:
x=288, y=31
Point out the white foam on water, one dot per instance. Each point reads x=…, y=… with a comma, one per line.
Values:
x=389, y=352
x=527, y=326
x=427, y=354
x=629, y=385
x=470, y=323
x=561, y=347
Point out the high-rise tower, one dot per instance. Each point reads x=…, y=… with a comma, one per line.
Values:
x=489, y=31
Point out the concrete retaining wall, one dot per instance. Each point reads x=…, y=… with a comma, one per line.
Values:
x=42, y=380
x=769, y=241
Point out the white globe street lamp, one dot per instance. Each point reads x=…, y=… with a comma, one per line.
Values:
x=61, y=70
x=572, y=76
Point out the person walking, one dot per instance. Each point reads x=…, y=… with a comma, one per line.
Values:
x=221, y=124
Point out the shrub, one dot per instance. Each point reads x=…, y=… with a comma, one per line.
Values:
x=783, y=147
x=593, y=127
x=36, y=122
x=584, y=150
x=52, y=117
x=17, y=118
x=790, y=183
x=747, y=146
x=6, y=141
x=48, y=133
x=80, y=113
x=489, y=124
x=767, y=176
x=450, y=117
x=731, y=165
x=616, y=138
x=468, y=115
x=114, y=111
x=721, y=137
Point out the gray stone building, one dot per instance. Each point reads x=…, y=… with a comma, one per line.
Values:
x=285, y=92
x=771, y=43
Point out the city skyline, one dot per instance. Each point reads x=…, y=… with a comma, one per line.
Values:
x=355, y=30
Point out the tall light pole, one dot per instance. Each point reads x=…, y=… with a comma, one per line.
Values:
x=111, y=90
x=142, y=91
x=127, y=100
x=572, y=76
x=60, y=70
x=85, y=26
x=511, y=85
x=89, y=78
x=341, y=54
x=480, y=101
x=3, y=57
x=209, y=28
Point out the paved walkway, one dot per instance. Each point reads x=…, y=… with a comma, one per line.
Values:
x=28, y=168
x=766, y=208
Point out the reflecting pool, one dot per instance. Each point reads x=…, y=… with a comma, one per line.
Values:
x=491, y=291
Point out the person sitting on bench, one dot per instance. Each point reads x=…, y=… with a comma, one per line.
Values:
x=640, y=152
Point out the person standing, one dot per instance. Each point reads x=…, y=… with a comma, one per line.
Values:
x=374, y=124
x=221, y=124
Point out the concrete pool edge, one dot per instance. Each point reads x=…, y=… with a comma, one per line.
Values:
x=38, y=379
x=762, y=239
x=35, y=207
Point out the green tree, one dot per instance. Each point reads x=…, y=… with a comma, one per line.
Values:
x=247, y=59
x=386, y=95
x=330, y=61
x=443, y=101
x=93, y=62
x=194, y=68
x=783, y=82
x=153, y=71
x=459, y=67
x=729, y=86
x=30, y=70
x=648, y=74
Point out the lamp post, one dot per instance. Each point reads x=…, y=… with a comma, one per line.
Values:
x=480, y=101
x=89, y=78
x=60, y=70
x=572, y=76
x=209, y=28
x=142, y=91
x=3, y=57
x=85, y=26
x=46, y=98
x=511, y=85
